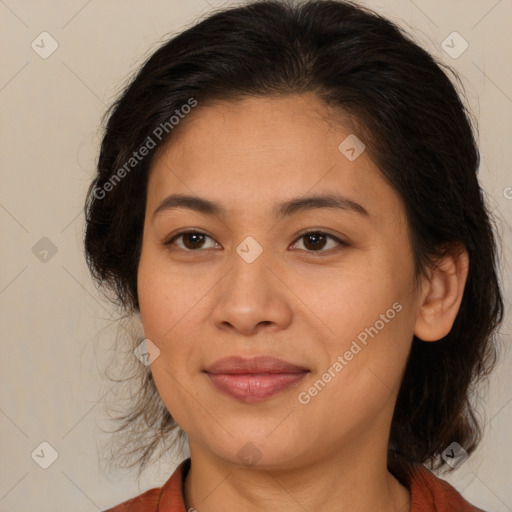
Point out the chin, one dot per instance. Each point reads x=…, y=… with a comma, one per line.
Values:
x=259, y=450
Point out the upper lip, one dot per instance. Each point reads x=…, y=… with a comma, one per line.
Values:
x=261, y=364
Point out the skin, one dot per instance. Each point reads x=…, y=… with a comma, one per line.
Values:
x=200, y=304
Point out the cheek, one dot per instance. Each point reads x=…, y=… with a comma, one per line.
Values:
x=362, y=379
x=371, y=320
x=163, y=312
x=170, y=306
x=354, y=299
x=163, y=298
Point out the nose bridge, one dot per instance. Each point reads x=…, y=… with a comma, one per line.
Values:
x=250, y=294
x=250, y=261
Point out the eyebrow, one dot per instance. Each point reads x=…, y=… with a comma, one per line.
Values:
x=287, y=208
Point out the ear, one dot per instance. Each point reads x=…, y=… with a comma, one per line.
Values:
x=441, y=295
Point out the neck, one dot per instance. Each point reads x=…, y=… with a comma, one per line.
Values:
x=345, y=482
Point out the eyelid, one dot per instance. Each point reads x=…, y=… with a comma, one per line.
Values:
x=342, y=244
x=170, y=239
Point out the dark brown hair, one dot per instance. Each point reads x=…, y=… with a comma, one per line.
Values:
x=398, y=96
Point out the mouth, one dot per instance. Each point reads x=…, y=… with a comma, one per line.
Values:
x=254, y=379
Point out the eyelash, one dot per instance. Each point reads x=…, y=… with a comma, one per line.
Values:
x=342, y=244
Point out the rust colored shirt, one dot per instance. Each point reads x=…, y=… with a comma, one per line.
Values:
x=428, y=494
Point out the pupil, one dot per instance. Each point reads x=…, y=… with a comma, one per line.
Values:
x=193, y=235
x=317, y=238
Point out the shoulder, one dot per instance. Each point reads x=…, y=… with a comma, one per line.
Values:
x=146, y=502
x=431, y=493
x=168, y=497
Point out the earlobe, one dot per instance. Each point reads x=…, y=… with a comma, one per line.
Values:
x=442, y=295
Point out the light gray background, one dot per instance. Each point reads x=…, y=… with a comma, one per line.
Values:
x=57, y=328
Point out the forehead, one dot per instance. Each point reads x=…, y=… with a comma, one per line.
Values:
x=256, y=151
x=283, y=130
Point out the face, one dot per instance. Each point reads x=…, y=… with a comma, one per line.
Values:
x=325, y=288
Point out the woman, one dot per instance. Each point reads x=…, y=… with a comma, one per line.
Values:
x=287, y=195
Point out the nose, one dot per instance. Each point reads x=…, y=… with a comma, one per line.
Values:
x=252, y=297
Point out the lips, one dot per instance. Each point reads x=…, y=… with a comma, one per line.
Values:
x=254, y=379
x=263, y=364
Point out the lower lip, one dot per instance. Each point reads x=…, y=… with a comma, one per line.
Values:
x=256, y=386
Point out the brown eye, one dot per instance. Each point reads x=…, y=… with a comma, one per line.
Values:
x=192, y=240
x=316, y=241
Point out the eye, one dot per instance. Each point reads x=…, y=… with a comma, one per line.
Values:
x=193, y=240
x=314, y=241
